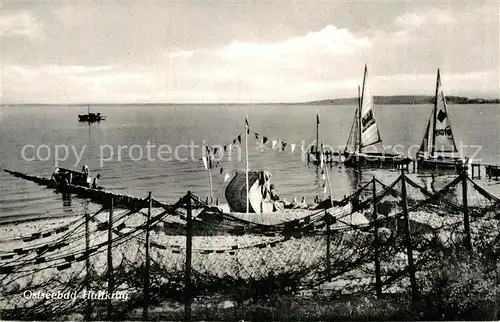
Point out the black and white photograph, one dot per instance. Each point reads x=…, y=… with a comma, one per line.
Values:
x=189, y=160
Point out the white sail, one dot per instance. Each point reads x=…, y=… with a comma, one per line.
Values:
x=426, y=145
x=443, y=135
x=369, y=129
x=352, y=142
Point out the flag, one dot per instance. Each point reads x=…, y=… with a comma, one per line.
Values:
x=274, y=144
x=293, y=147
x=205, y=162
x=264, y=140
x=227, y=176
x=247, y=126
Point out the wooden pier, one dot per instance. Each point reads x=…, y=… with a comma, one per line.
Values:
x=335, y=158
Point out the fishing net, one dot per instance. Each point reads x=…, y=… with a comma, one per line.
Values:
x=235, y=257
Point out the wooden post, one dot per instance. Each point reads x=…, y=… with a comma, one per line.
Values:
x=88, y=308
x=109, y=307
x=468, y=241
x=409, y=248
x=328, y=241
x=378, y=279
x=146, y=268
x=187, y=271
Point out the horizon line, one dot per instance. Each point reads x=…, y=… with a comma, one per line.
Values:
x=242, y=103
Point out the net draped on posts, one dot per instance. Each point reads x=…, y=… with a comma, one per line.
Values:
x=235, y=258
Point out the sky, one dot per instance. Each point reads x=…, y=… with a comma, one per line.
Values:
x=70, y=52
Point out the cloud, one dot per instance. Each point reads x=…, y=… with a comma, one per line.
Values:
x=327, y=62
x=431, y=17
x=20, y=24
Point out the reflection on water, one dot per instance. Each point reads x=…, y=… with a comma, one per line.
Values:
x=66, y=198
x=356, y=178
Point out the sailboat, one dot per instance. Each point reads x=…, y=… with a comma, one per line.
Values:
x=438, y=144
x=364, y=133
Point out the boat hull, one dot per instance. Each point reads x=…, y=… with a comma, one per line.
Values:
x=91, y=118
x=314, y=157
x=441, y=164
x=384, y=160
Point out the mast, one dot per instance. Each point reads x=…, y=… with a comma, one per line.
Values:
x=361, y=105
x=246, y=157
x=317, y=133
x=358, y=118
x=434, y=115
x=327, y=176
x=209, y=163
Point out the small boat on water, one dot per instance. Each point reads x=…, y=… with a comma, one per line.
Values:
x=438, y=148
x=365, y=133
x=99, y=195
x=66, y=176
x=91, y=117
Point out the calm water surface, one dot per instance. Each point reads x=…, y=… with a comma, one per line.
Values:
x=183, y=124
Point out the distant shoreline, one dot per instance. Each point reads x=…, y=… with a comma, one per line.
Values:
x=379, y=100
x=406, y=100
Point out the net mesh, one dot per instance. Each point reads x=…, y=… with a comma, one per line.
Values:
x=235, y=257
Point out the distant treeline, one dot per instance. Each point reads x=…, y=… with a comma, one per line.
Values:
x=408, y=99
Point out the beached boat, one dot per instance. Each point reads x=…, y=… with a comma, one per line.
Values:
x=438, y=149
x=365, y=133
x=263, y=210
x=250, y=198
x=91, y=117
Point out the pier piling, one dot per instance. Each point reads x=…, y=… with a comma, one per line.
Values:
x=409, y=247
x=146, y=264
x=378, y=279
x=187, y=268
x=109, y=307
